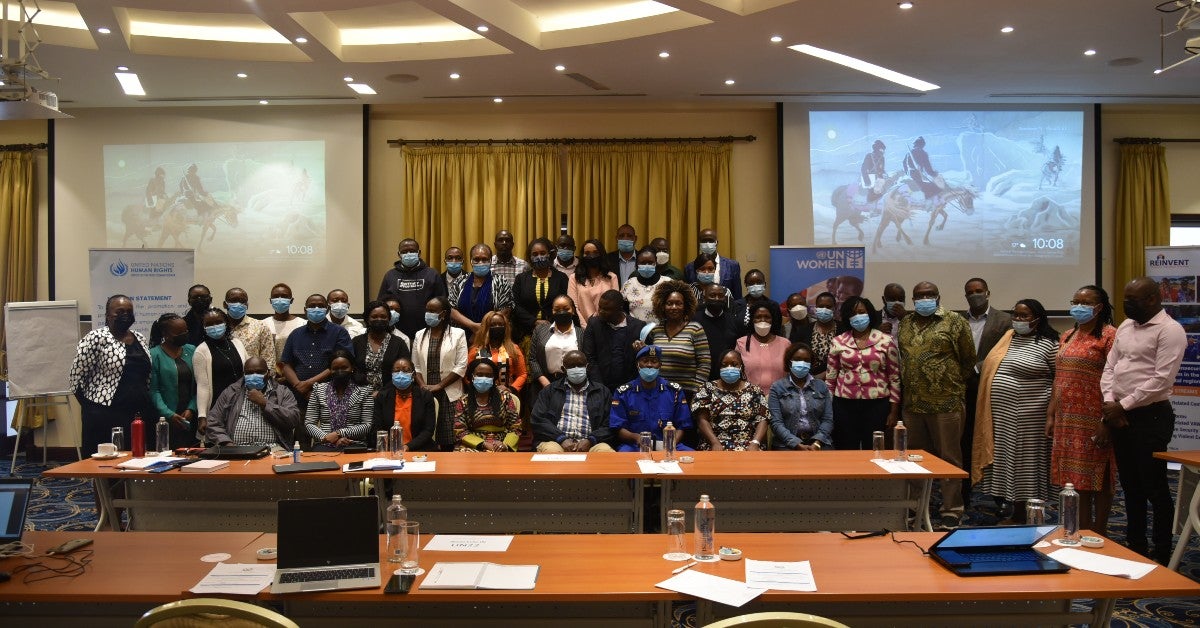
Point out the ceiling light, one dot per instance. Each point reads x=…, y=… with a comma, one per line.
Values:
x=729, y=81
x=776, y=39
x=130, y=84
x=362, y=88
x=904, y=5
x=197, y=32
x=103, y=31
x=455, y=75
x=864, y=66
x=482, y=28
x=611, y=13
x=1006, y=29
x=122, y=68
x=302, y=40
x=560, y=67
x=388, y=35
x=1089, y=52
x=348, y=79
x=497, y=100
x=242, y=75
x=664, y=54
x=263, y=102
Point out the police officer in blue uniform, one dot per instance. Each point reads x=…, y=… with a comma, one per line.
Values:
x=647, y=403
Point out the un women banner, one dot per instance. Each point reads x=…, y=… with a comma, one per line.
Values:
x=157, y=280
x=1175, y=268
x=811, y=270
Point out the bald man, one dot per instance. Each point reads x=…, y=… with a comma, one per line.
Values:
x=254, y=411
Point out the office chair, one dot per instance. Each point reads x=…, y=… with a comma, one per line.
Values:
x=212, y=612
x=777, y=620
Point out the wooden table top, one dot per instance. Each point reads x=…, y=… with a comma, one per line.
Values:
x=708, y=465
x=1190, y=458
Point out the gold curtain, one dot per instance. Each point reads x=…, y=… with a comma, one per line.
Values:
x=18, y=234
x=668, y=190
x=463, y=195
x=1143, y=212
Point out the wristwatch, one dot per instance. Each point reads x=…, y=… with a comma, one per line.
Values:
x=816, y=445
x=755, y=442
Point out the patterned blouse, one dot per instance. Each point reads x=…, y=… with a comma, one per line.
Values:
x=355, y=408
x=638, y=295
x=821, y=342
x=486, y=423
x=869, y=372
x=258, y=339
x=734, y=415
x=99, y=364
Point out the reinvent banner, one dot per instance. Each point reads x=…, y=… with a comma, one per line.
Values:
x=157, y=280
x=1176, y=269
x=811, y=270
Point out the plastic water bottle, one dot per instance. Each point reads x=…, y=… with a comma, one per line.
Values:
x=296, y=452
x=162, y=435
x=901, y=438
x=397, y=514
x=704, y=529
x=1068, y=512
x=396, y=440
x=137, y=437
x=669, y=436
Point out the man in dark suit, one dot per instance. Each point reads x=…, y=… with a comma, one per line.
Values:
x=987, y=326
x=720, y=325
x=729, y=271
x=623, y=260
x=608, y=342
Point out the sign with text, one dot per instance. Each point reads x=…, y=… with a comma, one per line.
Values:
x=157, y=280
x=1175, y=268
x=811, y=270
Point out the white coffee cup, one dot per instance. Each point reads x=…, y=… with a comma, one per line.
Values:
x=106, y=449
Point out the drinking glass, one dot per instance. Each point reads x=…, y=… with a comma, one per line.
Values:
x=1035, y=512
x=410, y=548
x=118, y=438
x=877, y=444
x=646, y=445
x=381, y=441
x=676, y=530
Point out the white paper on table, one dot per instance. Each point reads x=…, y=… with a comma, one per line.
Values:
x=709, y=587
x=1099, y=563
x=901, y=466
x=468, y=543
x=376, y=464
x=148, y=461
x=429, y=466
x=779, y=575
x=558, y=457
x=652, y=467
x=236, y=579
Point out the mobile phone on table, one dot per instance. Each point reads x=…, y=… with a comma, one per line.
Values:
x=399, y=583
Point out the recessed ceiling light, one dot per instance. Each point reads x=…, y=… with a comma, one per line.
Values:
x=776, y=39
x=362, y=88
x=122, y=68
x=302, y=40
x=904, y=5
x=242, y=75
x=348, y=79
x=1089, y=52
x=865, y=66
x=130, y=84
x=730, y=81
x=560, y=67
x=263, y=102
x=454, y=75
x=482, y=28
x=103, y=31
x=497, y=100
x=664, y=54
x=1158, y=71
x=1007, y=29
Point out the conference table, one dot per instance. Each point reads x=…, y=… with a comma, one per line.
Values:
x=1187, y=499
x=590, y=580
x=769, y=491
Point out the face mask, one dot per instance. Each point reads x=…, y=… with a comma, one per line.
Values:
x=281, y=304
x=730, y=374
x=257, y=381
x=237, y=311
x=798, y=312
x=647, y=270
x=432, y=319
x=215, y=331
x=481, y=270
x=1132, y=309
x=662, y=257
x=562, y=318
x=800, y=368
x=762, y=328
x=625, y=246
x=566, y=255
x=756, y=290
x=706, y=278
x=708, y=248
x=495, y=335
x=648, y=373
x=379, y=326
x=482, y=384
x=823, y=314
x=540, y=261
x=454, y=267
x=888, y=306
x=340, y=378
x=409, y=260
x=393, y=317
x=200, y=303
x=339, y=309
x=1022, y=328
x=925, y=307
x=177, y=341
x=860, y=321
x=577, y=374
x=402, y=380
x=977, y=301
x=315, y=314
x=589, y=261
x=715, y=308
x=1082, y=313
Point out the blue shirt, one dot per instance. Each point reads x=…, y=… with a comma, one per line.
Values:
x=639, y=409
x=800, y=414
x=308, y=350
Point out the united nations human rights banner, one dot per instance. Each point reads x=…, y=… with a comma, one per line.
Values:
x=811, y=270
x=157, y=280
x=1175, y=269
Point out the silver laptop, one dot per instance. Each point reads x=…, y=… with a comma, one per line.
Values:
x=14, y=501
x=326, y=544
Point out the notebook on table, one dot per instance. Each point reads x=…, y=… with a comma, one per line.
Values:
x=236, y=452
x=327, y=543
x=14, y=501
x=994, y=551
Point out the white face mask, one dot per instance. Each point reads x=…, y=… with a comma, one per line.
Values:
x=662, y=257
x=798, y=312
x=762, y=328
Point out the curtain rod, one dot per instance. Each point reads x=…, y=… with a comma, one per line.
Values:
x=1154, y=140
x=7, y=147
x=725, y=139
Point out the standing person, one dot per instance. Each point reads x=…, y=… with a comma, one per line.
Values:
x=254, y=334
x=306, y=355
x=762, y=349
x=439, y=354
x=893, y=310
x=1074, y=417
x=608, y=342
x=824, y=330
x=340, y=411
x=571, y=414
x=706, y=275
x=593, y=278
x=1138, y=417
x=550, y=343
x=494, y=342
x=623, y=261
x=480, y=292
x=662, y=257
x=639, y=291
x=505, y=265
x=863, y=377
x=730, y=411
x=685, y=358
x=988, y=325
x=453, y=260
x=756, y=293
x=199, y=299
x=728, y=271
x=377, y=350
x=1012, y=458
x=564, y=255
x=486, y=418
x=339, y=313
x=111, y=375
x=282, y=323
x=173, y=380
x=799, y=325
x=535, y=289
x=720, y=325
x=937, y=355
x=218, y=362
x=412, y=283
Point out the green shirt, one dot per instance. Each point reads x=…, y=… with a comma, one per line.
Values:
x=936, y=359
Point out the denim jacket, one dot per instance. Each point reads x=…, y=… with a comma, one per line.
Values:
x=784, y=403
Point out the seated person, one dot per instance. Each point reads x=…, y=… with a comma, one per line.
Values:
x=254, y=411
x=339, y=411
x=486, y=418
x=571, y=414
x=403, y=401
x=731, y=412
x=647, y=403
x=800, y=405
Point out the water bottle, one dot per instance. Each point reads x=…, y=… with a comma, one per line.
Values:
x=296, y=452
x=669, y=435
x=901, y=438
x=137, y=437
x=396, y=440
x=397, y=514
x=704, y=528
x=162, y=435
x=1068, y=511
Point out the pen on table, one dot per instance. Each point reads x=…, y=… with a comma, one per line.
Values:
x=685, y=567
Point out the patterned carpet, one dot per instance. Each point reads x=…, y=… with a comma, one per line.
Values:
x=69, y=505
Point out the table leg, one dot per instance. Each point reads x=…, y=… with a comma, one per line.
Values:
x=923, y=506
x=1189, y=524
x=1102, y=611
x=639, y=507
x=104, y=497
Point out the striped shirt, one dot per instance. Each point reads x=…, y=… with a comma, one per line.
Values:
x=685, y=356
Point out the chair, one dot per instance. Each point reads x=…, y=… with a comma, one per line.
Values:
x=777, y=620
x=206, y=611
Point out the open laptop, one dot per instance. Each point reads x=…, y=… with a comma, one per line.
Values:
x=327, y=543
x=14, y=501
x=994, y=551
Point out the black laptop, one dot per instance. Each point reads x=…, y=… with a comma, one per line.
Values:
x=995, y=551
x=327, y=543
x=236, y=452
x=14, y=501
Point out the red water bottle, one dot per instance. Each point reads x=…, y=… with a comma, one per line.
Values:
x=137, y=437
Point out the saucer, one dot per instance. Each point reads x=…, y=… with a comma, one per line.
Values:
x=99, y=456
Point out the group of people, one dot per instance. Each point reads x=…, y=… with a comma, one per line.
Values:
x=588, y=350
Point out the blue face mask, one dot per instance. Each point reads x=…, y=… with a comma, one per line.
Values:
x=730, y=374
x=800, y=368
x=402, y=380
x=577, y=374
x=454, y=267
x=648, y=373
x=237, y=311
x=888, y=306
x=860, y=321
x=215, y=331
x=706, y=278
x=625, y=246
x=1083, y=313
x=257, y=381
x=393, y=317
x=925, y=307
x=482, y=270
x=756, y=290
x=482, y=384
x=647, y=270
x=823, y=314
x=409, y=260
x=315, y=314
x=432, y=319
x=566, y=255
x=339, y=309
x=281, y=304
x=708, y=248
